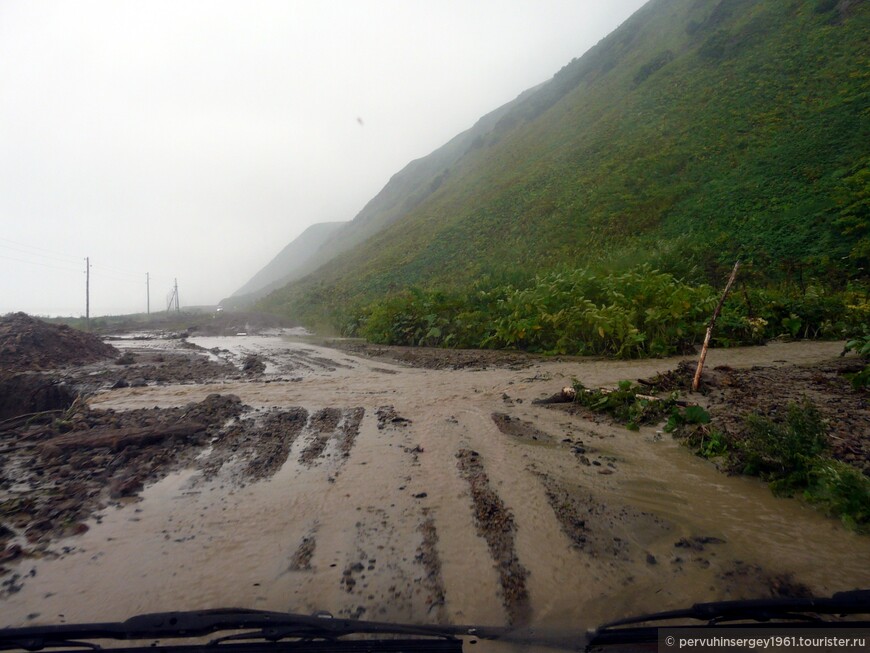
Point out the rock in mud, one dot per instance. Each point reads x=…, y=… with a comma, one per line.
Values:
x=301, y=560
x=387, y=416
x=253, y=364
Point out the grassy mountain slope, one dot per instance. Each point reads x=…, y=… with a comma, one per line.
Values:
x=698, y=131
x=408, y=188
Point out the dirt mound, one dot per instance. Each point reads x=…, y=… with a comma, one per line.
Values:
x=30, y=344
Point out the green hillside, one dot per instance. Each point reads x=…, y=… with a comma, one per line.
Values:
x=697, y=132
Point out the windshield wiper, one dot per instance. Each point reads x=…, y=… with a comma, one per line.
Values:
x=263, y=629
x=764, y=613
x=257, y=631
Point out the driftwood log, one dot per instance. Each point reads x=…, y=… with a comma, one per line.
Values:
x=607, y=391
x=568, y=394
x=118, y=439
x=697, y=380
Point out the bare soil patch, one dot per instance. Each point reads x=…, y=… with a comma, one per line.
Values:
x=32, y=392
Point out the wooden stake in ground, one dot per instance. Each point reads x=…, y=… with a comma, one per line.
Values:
x=697, y=380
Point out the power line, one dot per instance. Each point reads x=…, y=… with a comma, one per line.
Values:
x=45, y=265
x=172, y=297
x=48, y=253
x=119, y=271
x=103, y=275
x=41, y=252
x=100, y=271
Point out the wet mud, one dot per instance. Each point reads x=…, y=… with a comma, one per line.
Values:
x=435, y=358
x=518, y=428
x=384, y=483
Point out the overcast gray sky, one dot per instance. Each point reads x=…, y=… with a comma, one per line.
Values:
x=195, y=139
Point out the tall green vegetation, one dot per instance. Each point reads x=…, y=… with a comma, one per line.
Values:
x=637, y=313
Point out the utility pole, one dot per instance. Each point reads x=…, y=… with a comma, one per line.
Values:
x=148, y=291
x=88, y=291
x=173, y=297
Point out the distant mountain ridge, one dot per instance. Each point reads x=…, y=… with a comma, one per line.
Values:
x=698, y=131
x=291, y=263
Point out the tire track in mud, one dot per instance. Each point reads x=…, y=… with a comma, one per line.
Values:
x=255, y=447
x=623, y=538
x=264, y=441
x=495, y=524
x=306, y=360
x=322, y=426
x=602, y=529
x=335, y=425
x=389, y=573
x=271, y=453
x=390, y=567
x=427, y=555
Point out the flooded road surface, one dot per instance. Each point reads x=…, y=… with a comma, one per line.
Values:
x=392, y=493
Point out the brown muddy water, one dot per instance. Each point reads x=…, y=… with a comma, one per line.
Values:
x=401, y=499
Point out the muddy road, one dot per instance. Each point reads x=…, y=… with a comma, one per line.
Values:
x=390, y=485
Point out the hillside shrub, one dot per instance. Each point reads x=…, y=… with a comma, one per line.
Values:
x=631, y=314
x=637, y=313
